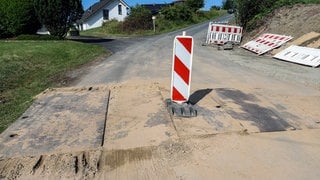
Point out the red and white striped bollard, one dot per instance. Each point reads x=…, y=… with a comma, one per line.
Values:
x=181, y=68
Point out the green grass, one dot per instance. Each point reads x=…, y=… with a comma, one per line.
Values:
x=29, y=67
x=104, y=32
x=100, y=32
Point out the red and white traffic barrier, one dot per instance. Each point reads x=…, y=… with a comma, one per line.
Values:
x=266, y=42
x=221, y=33
x=181, y=68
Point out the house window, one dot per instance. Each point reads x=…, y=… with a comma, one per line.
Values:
x=105, y=14
x=120, y=9
x=128, y=11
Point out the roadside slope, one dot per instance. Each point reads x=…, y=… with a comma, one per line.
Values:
x=294, y=20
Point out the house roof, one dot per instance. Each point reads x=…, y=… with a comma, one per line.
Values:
x=96, y=8
x=178, y=2
x=155, y=8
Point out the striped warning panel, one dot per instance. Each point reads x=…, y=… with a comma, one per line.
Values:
x=301, y=55
x=181, y=68
x=220, y=22
x=220, y=34
x=266, y=42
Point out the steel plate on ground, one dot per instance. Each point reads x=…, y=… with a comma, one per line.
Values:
x=225, y=110
x=59, y=120
x=137, y=117
x=301, y=55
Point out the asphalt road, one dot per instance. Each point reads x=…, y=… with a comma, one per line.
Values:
x=144, y=57
x=150, y=57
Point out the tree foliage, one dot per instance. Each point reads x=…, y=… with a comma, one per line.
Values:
x=140, y=18
x=58, y=15
x=228, y=4
x=182, y=11
x=194, y=5
x=215, y=8
x=17, y=17
x=179, y=12
x=248, y=9
x=2, y=26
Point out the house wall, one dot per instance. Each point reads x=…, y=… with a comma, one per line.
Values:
x=96, y=20
x=113, y=12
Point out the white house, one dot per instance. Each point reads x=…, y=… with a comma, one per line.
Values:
x=103, y=11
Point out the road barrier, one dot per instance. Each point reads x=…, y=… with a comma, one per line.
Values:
x=220, y=34
x=181, y=68
x=179, y=104
x=220, y=22
x=266, y=42
x=301, y=55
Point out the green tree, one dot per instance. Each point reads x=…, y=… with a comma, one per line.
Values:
x=228, y=4
x=140, y=18
x=248, y=10
x=194, y=5
x=58, y=15
x=215, y=8
x=2, y=27
x=17, y=17
x=182, y=11
x=178, y=12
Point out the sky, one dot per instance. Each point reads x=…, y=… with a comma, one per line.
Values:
x=208, y=3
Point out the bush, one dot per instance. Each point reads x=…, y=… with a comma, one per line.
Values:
x=111, y=27
x=37, y=37
x=213, y=13
x=165, y=25
x=139, y=19
x=17, y=17
x=179, y=12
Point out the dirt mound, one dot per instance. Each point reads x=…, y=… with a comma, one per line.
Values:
x=294, y=20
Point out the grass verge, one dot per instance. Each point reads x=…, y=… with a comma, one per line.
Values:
x=29, y=67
